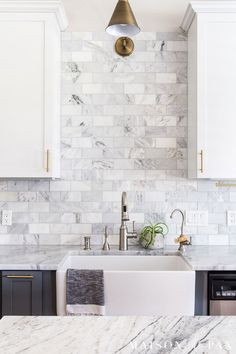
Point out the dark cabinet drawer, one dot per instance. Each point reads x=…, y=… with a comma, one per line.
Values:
x=28, y=293
x=22, y=293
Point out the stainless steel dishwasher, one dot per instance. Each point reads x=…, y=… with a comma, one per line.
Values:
x=222, y=293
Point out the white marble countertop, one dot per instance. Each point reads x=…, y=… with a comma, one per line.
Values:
x=108, y=335
x=50, y=257
x=211, y=257
x=32, y=257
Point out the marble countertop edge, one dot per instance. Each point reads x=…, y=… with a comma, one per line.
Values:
x=199, y=258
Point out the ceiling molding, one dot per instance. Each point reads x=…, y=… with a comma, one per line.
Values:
x=40, y=6
x=188, y=18
x=206, y=7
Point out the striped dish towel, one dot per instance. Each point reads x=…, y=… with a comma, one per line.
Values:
x=85, y=292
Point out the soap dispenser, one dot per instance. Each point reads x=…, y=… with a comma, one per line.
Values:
x=106, y=246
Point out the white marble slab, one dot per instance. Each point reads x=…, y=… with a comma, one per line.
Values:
x=211, y=257
x=50, y=257
x=100, y=335
x=32, y=257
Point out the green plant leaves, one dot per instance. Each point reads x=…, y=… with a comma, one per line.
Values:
x=150, y=232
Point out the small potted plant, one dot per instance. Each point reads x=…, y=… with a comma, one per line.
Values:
x=152, y=236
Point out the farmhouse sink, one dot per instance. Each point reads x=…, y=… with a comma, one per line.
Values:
x=137, y=285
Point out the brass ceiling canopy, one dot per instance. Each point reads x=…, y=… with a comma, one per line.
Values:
x=123, y=22
x=124, y=46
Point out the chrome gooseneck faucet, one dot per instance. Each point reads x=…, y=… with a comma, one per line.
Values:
x=182, y=223
x=124, y=233
x=183, y=240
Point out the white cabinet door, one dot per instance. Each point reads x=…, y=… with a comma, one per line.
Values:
x=29, y=96
x=217, y=94
x=212, y=96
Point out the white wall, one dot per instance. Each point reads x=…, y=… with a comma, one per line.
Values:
x=152, y=15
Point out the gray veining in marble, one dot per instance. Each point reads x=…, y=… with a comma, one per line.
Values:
x=124, y=335
x=211, y=257
x=50, y=257
x=124, y=127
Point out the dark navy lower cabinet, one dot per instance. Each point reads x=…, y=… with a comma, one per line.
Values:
x=28, y=293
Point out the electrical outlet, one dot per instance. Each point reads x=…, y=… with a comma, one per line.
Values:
x=7, y=217
x=231, y=217
x=196, y=217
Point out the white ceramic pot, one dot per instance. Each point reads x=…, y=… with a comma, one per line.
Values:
x=158, y=244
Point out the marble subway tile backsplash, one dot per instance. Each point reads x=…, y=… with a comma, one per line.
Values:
x=124, y=127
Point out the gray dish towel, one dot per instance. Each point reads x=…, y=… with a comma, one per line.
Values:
x=85, y=292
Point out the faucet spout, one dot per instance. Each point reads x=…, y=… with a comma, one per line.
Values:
x=124, y=207
x=124, y=232
x=182, y=214
x=182, y=240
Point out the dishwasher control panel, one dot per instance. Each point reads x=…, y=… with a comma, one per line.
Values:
x=225, y=293
x=222, y=286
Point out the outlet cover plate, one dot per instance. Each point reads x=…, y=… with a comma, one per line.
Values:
x=196, y=218
x=231, y=217
x=7, y=217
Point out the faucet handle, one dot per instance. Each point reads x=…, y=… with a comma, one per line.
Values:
x=133, y=226
x=132, y=234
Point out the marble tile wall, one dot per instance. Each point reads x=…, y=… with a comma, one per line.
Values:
x=124, y=128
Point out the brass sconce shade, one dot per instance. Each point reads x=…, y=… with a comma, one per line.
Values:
x=123, y=22
x=124, y=46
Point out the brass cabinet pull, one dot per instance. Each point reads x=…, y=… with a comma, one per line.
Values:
x=201, y=164
x=19, y=276
x=223, y=184
x=47, y=160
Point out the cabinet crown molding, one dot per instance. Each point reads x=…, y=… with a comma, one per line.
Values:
x=40, y=6
x=206, y=7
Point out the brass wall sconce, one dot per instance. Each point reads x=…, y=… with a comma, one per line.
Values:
x=124, y=46
x=124, y=24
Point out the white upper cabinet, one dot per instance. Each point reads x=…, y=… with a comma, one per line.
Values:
x=212, y=89
x=30, y=69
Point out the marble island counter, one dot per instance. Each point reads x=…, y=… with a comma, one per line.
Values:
x=108, y=335
x=199, y=258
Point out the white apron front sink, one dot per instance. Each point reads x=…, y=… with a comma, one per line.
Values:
x=137, y=285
